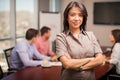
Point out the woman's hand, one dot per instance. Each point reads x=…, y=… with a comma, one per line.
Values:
x=70, y=63
x=98, y=60
x=107, y=59
x=54, y=58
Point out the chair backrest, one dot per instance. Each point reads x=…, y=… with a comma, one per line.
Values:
x=7, y=55
x=1, y=72
x=54, y=46
x=113, y=77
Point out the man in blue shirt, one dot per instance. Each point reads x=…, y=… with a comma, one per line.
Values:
x=24, y=52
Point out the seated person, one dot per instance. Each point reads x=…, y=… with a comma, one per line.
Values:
x=23, y=53
x=115, y=56
x=43, y=45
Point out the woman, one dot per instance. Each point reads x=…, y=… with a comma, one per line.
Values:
x=115, y=56
x=77, y=49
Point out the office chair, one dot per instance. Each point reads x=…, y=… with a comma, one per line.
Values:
x=7, y=56
x=54, y=46
x=113, y=77
x=1, y=73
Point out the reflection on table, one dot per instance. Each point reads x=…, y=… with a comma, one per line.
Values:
x=49, y=73
x=52, y=72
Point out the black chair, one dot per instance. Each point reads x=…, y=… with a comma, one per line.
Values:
x=54, y=46
x=1, y=73
x=7, y=56
x=113, y=77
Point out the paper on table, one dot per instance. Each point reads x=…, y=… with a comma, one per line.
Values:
x=50, y=64
x=56, y=63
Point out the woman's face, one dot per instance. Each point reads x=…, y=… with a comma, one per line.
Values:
x=75, y=18
x=111, y=38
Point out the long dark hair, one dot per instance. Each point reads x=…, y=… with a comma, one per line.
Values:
x=116, y=35
x=83, y=12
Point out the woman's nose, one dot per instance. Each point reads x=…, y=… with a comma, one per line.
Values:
x=77, y=17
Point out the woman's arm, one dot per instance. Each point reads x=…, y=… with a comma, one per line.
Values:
x=107, y=59
x=115, y=56
x=70, y=63
x=99, y=59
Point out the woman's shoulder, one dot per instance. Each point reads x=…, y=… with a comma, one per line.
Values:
x=89, y=32
x=63, y=34
x=117, y=45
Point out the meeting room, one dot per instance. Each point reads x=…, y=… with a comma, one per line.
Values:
x=59, y=39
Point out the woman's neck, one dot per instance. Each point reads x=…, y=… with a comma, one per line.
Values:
x=75, y=31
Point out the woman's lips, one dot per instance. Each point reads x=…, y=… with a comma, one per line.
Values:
x=74, y=23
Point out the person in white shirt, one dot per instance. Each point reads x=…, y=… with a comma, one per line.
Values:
x=115, y=55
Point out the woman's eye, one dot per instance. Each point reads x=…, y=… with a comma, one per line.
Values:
x=72, y=15
x=80, y=15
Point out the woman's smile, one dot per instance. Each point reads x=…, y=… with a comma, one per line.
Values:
x=75, y=18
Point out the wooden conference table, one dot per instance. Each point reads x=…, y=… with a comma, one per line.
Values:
x=51, y=73
x=36, y=73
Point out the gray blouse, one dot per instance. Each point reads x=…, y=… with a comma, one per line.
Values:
x=84, y=46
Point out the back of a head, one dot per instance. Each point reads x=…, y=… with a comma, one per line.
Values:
x=31, y=33
x=116, y=34
x=44, y=30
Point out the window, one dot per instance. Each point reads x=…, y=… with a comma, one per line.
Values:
x=24, y=16
x=4, y=23
x=5, y=36
x=11, y=31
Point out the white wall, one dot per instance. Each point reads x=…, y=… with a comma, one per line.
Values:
x=101, y=31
